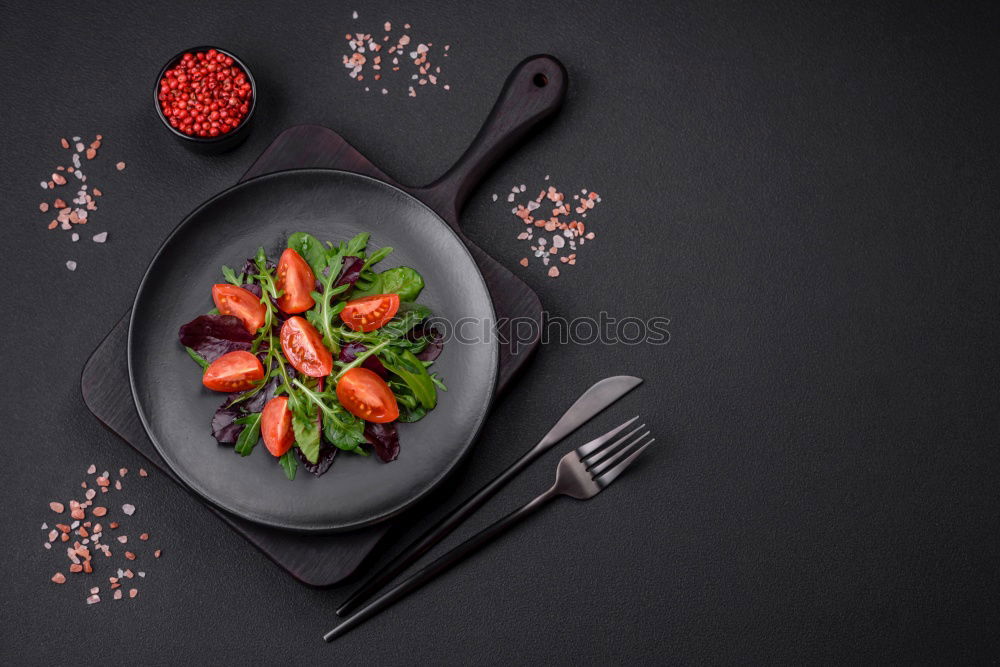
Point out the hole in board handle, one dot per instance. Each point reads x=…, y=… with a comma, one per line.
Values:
x=540, y=80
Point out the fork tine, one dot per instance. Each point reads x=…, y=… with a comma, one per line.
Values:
x=607, y=456
x=600, y=452
x=612, y=474
x=586, y=450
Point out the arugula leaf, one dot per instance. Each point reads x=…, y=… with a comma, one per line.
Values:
x=403, y=280
x=410, y=409
x=358, y=360
x=310, y=249
x=436, y=379
x=289, y=463
x=356, y=246
x=250, y=435
x=231, y=276
x=367, y=277
x=200, y=360
x=322, y=313
x=305, y=426
x=407, y=317
x=413, y=372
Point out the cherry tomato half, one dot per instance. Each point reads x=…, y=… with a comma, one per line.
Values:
x=297, y=281
x=364, y=394
x=233, y=300
x=370, y=312
x=233, y=371
x=276, y=426
x=303, y=346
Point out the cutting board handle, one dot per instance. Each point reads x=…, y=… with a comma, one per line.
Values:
x=533, y=92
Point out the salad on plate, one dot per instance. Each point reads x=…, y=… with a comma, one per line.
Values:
x=318, y=353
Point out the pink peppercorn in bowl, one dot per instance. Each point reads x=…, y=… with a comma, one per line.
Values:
x=206, y=97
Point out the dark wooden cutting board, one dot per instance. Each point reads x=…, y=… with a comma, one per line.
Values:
x=533, y=93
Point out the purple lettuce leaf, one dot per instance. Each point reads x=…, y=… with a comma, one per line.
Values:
x=212, y=336
x=253, y=288
x=350, y=352
x=384, y=438
x=435, y=340
x=224, y=428
x=351, y=271
x=327, y=453
x=250, y=266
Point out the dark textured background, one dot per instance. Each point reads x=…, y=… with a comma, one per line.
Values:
x=808, y=193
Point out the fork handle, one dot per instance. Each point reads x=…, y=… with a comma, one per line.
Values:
x=439, y=531
x=442, y=564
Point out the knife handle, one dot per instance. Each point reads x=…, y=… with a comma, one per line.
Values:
x=438, y=532
x=442, y=564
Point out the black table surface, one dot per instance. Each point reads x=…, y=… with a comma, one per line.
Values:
x=808, y=192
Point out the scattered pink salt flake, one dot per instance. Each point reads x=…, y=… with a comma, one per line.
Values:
x=93, y=599
x=123, y=539
x=120, y=166
x=71, y=265
x=118, y=594
x=143, y=473
x=128, y=509
x=59, y=578
x=58, y=508
x=100, y=238
x=133, y=592
x=92, y=469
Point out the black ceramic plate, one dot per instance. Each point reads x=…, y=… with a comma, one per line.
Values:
x=177, y=411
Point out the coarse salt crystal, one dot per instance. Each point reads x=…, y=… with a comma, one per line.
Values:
x=75, y=237
x=128, y=509
x=92, y=469
x=495, y=196
x=93, y=599
x=354, y=15
x=71, y=265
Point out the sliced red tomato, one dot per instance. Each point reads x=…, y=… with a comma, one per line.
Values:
x=304, y=349
x=276, y=426
x=297, y=281
x=370, y=312
x=244, y=304
x=364, y=394
x=233, y=371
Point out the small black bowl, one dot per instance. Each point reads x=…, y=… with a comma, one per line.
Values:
x=223, y=142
